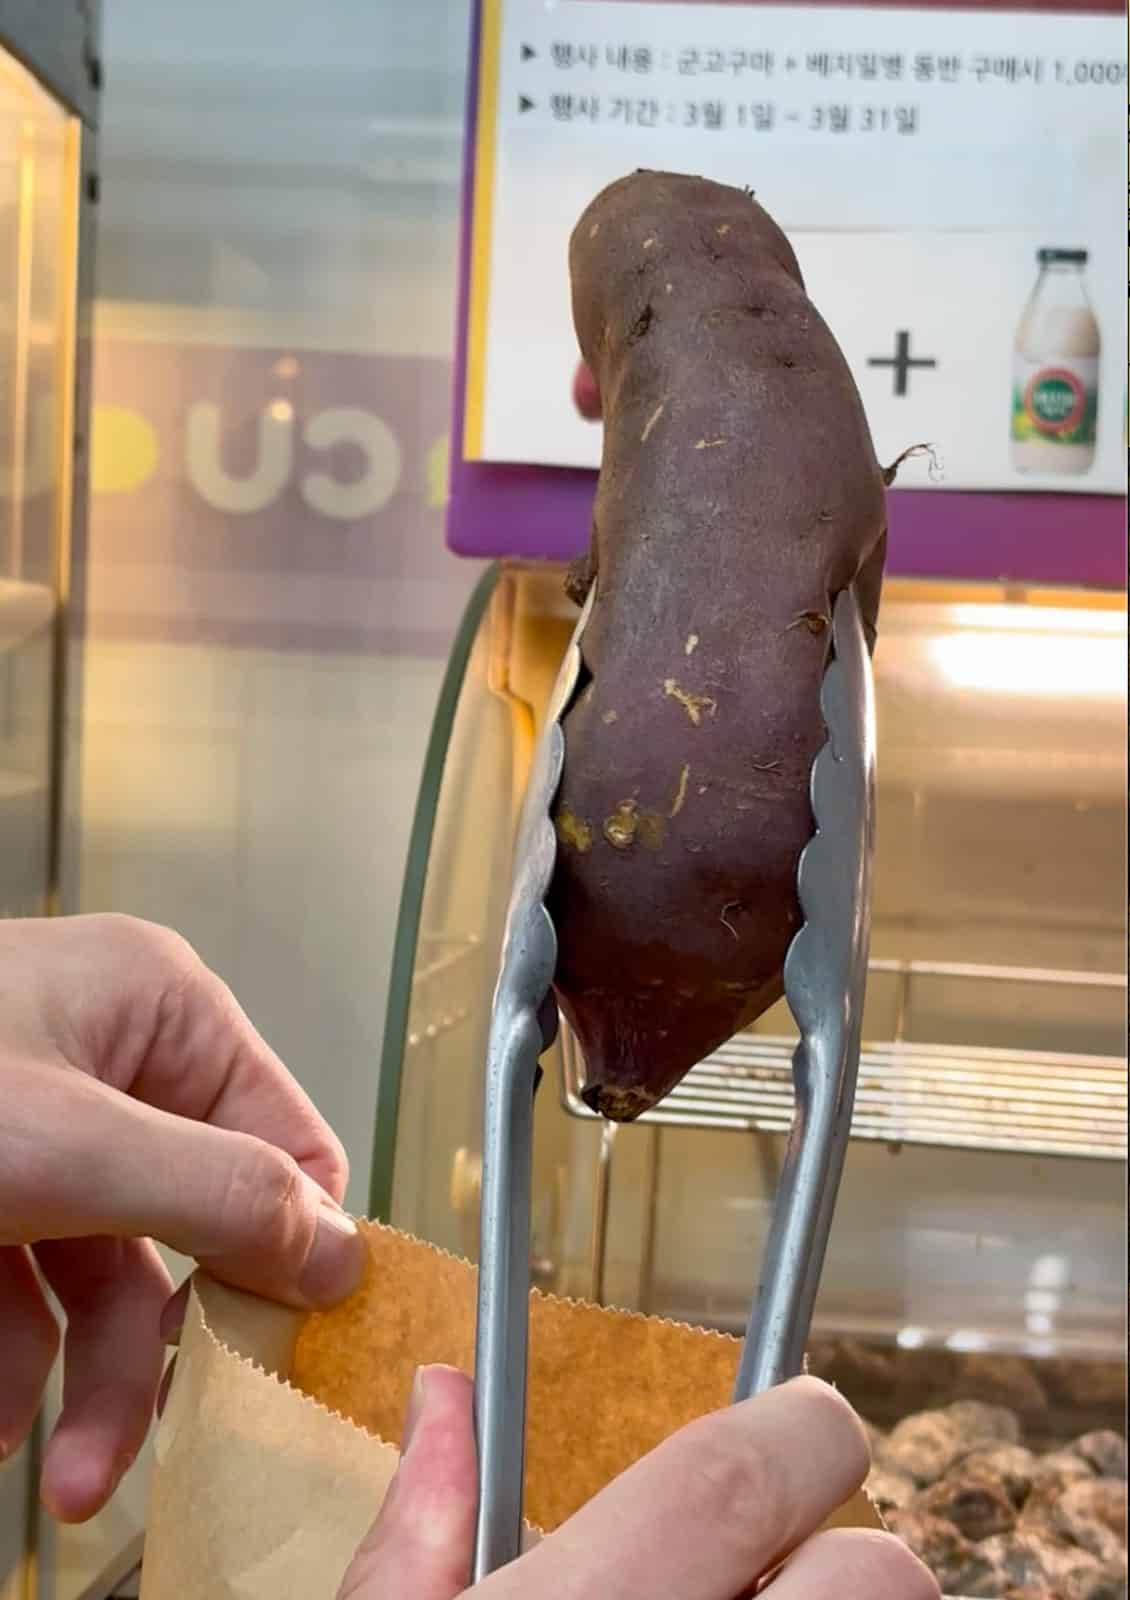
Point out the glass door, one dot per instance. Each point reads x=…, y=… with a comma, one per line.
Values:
x=39, y=203
x=39, y=148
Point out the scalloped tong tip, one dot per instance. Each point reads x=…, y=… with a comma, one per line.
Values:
x=825, y=976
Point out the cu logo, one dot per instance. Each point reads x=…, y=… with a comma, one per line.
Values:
x=274, y=461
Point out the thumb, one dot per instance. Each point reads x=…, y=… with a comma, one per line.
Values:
x=420, y=1546
x=114, y=1165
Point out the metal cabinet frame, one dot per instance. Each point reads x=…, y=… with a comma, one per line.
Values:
x=58, y=41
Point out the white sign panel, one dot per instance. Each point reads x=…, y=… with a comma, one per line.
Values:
x=952, y=183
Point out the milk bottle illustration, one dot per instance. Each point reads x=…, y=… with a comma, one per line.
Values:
x=1055, y=371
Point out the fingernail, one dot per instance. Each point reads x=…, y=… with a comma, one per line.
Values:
x=336, y=1262
x=415, y=1408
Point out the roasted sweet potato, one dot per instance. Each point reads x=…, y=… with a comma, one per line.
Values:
x=739, y=493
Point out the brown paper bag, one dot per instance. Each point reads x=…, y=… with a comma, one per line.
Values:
x=279, y=1438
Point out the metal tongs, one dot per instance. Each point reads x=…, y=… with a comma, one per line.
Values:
x=825, y=977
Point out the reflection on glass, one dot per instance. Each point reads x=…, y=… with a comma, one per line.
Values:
x=38, y=198
x=982, y=1211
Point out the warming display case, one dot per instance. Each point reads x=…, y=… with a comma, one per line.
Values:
x=977, y=1251
x=39, y=199
x=48, y=94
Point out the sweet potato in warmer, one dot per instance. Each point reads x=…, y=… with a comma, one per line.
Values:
x=739, y=494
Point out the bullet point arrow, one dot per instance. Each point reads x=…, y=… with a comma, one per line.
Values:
x=525, y=103
x=528, y=52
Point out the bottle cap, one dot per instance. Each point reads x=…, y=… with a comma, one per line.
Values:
x=1048, y=258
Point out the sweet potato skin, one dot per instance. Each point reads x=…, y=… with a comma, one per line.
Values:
x=739, y=493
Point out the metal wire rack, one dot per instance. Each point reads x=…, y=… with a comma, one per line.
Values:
x=1009, y=1100
x=1023, y=1102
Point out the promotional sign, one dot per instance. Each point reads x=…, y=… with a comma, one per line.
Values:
x=271, y=498
x=947, y=178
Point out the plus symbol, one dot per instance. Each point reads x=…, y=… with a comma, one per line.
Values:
x=902, y=361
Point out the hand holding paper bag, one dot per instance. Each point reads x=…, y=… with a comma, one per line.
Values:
x=701, y=1518
x=139, y=1103
x=265, y=1488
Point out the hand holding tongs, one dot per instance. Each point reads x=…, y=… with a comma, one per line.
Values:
x=825, y=976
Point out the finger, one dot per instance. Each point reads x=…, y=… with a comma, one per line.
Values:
x=714, y=1508
x=164, y=1386
x=112, y=1291
x=173, y=1313
x=200, y=1057
x=855, y=1564
x=29, y=1342
x=420, y=1546
x=131, y=1003
x=114, y=1166
x=586, y=395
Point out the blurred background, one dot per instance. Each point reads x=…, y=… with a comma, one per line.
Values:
x=276, y=252
x=264, y=603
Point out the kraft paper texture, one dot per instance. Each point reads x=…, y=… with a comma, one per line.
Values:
x=279, y=1438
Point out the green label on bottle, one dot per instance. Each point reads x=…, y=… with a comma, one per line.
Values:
x=1056, y=404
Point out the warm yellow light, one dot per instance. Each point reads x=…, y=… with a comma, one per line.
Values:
x=1039, y=619
x=34, y=100
x=1012, y=650
x=123, y=450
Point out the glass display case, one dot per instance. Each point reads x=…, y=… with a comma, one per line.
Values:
x=39, y=199
x=48, y=92
x=977, y=1251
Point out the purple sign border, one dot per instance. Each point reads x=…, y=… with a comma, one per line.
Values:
x=542, y=513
